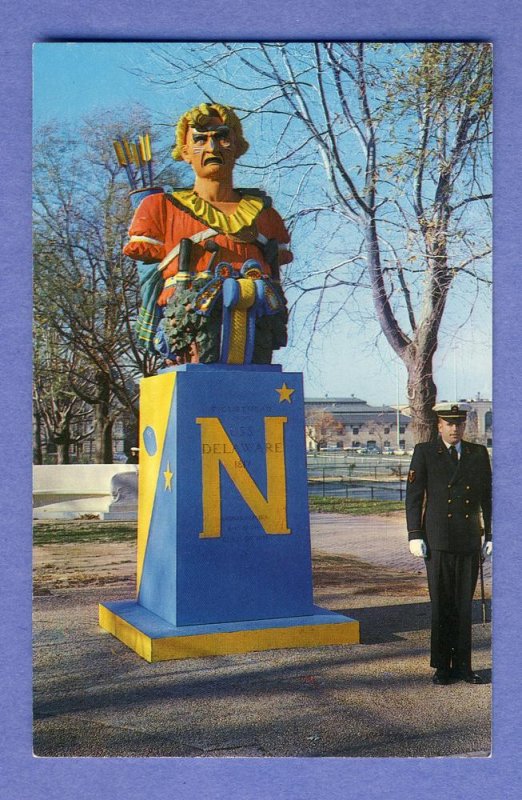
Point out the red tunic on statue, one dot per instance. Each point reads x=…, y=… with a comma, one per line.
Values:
x=162, y=220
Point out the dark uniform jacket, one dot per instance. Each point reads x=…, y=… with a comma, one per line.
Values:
x=444, y=501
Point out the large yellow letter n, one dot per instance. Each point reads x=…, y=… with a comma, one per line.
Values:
x=216, y=449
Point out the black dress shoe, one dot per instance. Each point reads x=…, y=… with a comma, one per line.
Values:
x=441, y=677
x=471, y=677
x=465, y=674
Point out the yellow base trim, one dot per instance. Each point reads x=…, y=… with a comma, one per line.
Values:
x=126, y=633
x=221, y=644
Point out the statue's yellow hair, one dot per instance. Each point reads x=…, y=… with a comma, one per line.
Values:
x=199, y=116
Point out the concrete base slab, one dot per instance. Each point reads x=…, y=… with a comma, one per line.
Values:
x=119, y=516
x=154, y=639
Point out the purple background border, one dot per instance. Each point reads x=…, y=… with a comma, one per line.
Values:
x=297, y=779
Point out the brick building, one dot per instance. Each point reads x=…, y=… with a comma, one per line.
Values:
x=351, y=423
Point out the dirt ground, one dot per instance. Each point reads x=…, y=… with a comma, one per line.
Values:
x=68, y=566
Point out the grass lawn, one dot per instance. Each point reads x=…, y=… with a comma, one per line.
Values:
x=78, y=530
x=92, y=530
x=343, y=505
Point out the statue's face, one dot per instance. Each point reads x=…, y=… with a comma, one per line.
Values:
x=211, y=150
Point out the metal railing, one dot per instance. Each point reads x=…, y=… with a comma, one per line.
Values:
x=358, y=476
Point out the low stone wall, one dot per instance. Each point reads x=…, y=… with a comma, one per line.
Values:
x=62, y=491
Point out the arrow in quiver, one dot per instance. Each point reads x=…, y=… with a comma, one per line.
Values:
x=136, y=159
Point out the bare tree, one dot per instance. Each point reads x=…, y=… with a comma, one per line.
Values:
x=320, y=425
x=85, y=289
x=381, y=154
x=57, y=408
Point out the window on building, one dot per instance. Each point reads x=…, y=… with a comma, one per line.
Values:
x=354, y=431
x=402, y=443
x=386, y=430
x=386, y=443
x=402, y=429
x=488, y=419
x=355, y=443
x=340, y=444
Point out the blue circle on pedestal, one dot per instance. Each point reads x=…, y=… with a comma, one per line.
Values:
x=149, y=440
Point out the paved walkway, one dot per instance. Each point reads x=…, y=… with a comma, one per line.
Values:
x=376, y=539
x=94, y=697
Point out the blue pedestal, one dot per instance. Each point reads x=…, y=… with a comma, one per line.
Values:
x=223, y=526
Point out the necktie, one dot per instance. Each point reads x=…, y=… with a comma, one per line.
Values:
x=454, y=455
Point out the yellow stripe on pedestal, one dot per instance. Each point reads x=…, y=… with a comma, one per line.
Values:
x=156, y=394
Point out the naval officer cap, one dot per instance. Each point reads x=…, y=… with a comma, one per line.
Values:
x=455, y=412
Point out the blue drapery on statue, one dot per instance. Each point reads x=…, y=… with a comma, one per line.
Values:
x=150, y=314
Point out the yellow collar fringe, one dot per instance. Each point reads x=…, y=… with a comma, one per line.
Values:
x=248, y=209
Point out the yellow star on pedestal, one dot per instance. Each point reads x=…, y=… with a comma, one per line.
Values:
x=168, y=477
x=285, y=393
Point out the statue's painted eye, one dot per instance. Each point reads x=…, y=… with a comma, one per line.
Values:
x=223, y=135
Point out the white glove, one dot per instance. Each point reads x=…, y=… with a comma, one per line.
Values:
x=418, y=548
x=487, y=549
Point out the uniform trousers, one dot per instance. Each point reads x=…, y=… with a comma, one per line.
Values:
x=452, y=578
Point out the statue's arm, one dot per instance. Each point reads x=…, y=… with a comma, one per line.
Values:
x=147, y=230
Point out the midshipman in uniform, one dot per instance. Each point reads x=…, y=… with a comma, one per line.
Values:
x=448, y=511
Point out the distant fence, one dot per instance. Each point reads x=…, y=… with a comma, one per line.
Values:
x=345, y=474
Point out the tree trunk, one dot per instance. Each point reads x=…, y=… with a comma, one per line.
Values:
x=63, y=441
x=422, y=394
x=103, y=422
x=131, y=438
x=418, y=357
x=389, y=325
x=62, y=451
x=38, y=449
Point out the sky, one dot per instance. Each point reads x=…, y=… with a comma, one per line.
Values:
x=77, y=79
